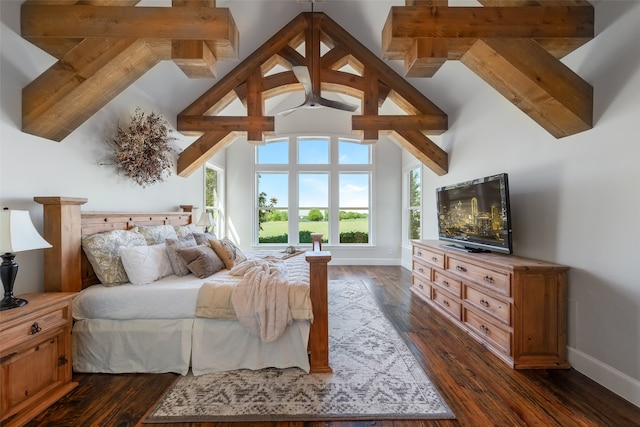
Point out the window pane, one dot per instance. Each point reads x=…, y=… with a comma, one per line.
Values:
x=313, y=199
x=273, y=152
x=415, y=188
x=353, y=153
x=354, y=208
x=414, y=223
x=313, y=151
x=273, y=212
x=211, y=187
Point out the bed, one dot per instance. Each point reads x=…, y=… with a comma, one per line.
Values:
x=153, y=328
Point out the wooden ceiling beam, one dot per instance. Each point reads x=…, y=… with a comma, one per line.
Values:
x=430, y=125
x=127, y=22
x=423, y=149
x=203, y=124
x=193, y=57
x=241, y=72
x=536, y=82
x=404, y=24
x=205, y=147
x=59, y=47
x=81, y=83
x=514, y=45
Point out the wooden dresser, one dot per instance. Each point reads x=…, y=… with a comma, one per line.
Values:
x=516, y=307
x=35, y=355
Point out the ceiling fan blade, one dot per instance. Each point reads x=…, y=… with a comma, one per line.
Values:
x=337, y=104
x=303, y=76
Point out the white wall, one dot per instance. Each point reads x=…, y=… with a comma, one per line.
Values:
x=576, y=200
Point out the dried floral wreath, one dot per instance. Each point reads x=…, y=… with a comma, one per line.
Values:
x=142, y=152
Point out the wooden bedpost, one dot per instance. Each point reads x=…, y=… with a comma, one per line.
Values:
x=63, y=229
x=319, y=333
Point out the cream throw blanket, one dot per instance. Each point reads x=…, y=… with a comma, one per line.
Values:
x=261, y=298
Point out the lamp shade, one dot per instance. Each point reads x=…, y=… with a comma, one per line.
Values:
x=206, y=219
x=17, y=232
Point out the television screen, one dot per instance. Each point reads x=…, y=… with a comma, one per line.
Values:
x=475, y=215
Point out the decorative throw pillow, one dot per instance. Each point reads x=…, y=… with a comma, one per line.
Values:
x=156, y=234
x=146, y=264
x=185, y=230
x=203, y=238
x=103, y=252
x=228, y=252
x=201, y=260
x=177, y=264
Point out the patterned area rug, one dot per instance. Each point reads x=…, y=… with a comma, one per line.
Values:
x=374, y=377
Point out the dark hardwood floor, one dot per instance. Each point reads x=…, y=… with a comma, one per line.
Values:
x=480, y=390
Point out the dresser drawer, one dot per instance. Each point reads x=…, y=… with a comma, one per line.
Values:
x=447, y=282
x=494, y=280
x=446, y=302
x=38, y=324
x=429, y=256
x=487, y=331
x=422, y=286
x=499, y=309
x=421, y=268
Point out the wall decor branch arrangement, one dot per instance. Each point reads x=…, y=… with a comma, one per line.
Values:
x=142, y=151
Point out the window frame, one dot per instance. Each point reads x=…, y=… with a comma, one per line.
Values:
x=333, y=169
x=217, y=209
x=407, y=208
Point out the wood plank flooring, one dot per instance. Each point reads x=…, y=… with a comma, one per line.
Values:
x=480, y=390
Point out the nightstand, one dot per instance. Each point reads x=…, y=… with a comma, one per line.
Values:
x=35, y=355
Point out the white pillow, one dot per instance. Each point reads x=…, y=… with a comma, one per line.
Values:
x=145, y=264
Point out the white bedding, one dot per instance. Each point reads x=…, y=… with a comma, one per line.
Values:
x=171, y=297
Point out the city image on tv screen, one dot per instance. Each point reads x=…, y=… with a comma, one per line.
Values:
x=475, y=215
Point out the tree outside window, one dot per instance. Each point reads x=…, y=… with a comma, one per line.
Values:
x=415, y=203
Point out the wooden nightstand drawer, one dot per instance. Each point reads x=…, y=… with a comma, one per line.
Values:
x=35, y=356
x=38, y=324
x=420, y=267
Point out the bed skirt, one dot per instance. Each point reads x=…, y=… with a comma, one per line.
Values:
x=174, y=345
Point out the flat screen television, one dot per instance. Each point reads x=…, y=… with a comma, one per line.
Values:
x=475, y=216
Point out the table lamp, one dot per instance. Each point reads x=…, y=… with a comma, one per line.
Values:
x=206, y=221
x=17, y=234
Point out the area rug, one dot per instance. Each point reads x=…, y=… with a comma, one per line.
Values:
x=375, y=377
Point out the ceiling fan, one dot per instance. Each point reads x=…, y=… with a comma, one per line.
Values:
x=311, y=98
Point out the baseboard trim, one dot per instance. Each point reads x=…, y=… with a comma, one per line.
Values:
x=616, y=381
x=365, y=261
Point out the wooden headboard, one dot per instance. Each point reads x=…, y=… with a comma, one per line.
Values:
x=66, y=267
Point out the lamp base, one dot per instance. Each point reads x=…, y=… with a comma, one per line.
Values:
x=9, y=302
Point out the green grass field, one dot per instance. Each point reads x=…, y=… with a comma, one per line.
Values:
x=277, y=228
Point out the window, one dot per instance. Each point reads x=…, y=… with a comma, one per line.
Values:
x=354, y=207
x=325, y=188
x=212, y=195
x=273, y=214
x=414, y=208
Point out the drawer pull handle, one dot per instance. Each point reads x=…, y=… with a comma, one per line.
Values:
x=488, y=279
x=445, y=302
x=434, y=258
x=460, y=268
x=484, y=329
x=62, y=360
x=420, y=286
x=35, y=328
x=421, y=270
x=484, y=302
x=419, y=253
x=444, y=282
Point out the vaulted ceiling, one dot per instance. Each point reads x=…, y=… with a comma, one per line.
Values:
x=103, y=46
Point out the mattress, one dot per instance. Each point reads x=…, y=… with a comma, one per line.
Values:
x=171, y=297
